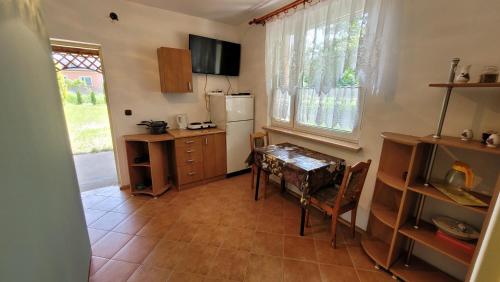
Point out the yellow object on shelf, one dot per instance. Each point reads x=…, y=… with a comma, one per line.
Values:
x=458, y=194
x=463, y=173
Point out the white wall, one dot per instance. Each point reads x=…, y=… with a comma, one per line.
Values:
x=44, y=235
x=130, y=60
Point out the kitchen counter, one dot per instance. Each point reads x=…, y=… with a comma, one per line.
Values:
x=183, y=133
x=149, y=137
x=172, y=134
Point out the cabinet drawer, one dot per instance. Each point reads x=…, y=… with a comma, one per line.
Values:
x=190, y=173
x=188, y=154
x=188, y=142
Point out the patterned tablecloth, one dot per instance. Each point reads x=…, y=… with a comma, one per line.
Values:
x=306, y=169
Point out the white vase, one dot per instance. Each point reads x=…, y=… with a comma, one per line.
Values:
x=463, y=76
x=466, y=135
x=493, y=140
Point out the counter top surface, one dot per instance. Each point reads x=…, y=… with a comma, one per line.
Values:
x=149, y=137
x=171, y=135
x=183, y=133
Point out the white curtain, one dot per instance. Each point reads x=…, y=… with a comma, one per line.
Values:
x=321, y=59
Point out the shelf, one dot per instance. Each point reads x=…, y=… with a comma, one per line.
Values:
x=147, y=190
x=465, y=85
x=458, y=143
x=392, y=181
x=145, y=164
x=376, y=249
x=401, y=138
x=436, y=194
x=384, y=214
x=425, y=235
x=419, y=270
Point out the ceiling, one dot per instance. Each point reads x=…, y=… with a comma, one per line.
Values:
x=232, y=12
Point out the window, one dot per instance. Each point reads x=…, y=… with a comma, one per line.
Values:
x=312, y=69
x=87, y=80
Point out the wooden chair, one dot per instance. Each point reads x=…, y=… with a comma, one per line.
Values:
x=337, y=201
x=258, y=140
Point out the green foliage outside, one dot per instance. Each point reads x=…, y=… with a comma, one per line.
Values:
x=86, y=116
x=325, y=56
x=93, y=100
x=88, y=128
x=79, y=100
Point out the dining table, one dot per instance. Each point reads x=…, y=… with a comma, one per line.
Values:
x=305, y=169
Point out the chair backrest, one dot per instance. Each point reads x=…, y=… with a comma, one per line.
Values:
x=259, y=139
x=352, y=183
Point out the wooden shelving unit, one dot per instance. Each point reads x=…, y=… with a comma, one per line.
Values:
x=392, y=217
x=153, y=173
x=146, y=164
x=416, y=156
x=384, y=214
x=398, y=164
x=425, y=235
x=419, y=270
x=391, y=180
x=376, y=249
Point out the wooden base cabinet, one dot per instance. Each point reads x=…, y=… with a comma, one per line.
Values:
x=147, y=157
x=200, y=159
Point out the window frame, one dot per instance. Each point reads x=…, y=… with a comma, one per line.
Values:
x=83, y=77
x=294, y=125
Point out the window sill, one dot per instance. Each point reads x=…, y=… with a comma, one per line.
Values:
x=320, y=139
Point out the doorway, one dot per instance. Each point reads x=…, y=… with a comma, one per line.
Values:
x=81, y=86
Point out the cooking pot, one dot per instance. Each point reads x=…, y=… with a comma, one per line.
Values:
x=155, y=127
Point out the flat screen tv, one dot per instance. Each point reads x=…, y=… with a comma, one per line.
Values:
x=212, y=56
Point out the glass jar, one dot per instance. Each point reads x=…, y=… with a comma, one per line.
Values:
x=489, y=74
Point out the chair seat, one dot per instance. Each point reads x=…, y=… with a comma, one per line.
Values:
x=326, y=195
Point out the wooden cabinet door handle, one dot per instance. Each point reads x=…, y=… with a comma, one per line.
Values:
x=190, y=161
x=189, y=142
x=189, y=86
x=189, y=151
x=191, y=173
x=206, y=141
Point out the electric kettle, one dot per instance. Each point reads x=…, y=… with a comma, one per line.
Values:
x=460, y=175
x=182, y=121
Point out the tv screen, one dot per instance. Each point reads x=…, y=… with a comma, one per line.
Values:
x=212, y=56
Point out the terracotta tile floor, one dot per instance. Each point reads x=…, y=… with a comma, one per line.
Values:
x=216, y=232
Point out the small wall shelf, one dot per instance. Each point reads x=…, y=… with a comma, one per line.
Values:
x=456, y=142
x=465, y=85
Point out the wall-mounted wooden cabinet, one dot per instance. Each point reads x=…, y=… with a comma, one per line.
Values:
x=175, y=70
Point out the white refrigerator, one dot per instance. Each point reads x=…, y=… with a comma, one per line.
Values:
x=235, y=114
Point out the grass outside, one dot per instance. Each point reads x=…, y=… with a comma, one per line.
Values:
x=88, y=127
